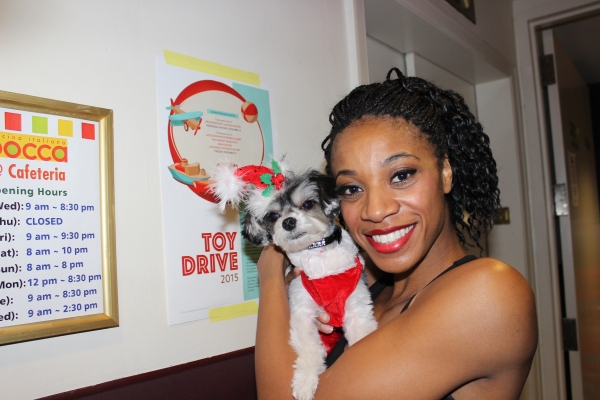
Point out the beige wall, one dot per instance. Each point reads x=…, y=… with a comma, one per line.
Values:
x=102, y=53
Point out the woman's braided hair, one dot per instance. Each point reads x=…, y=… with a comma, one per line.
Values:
x=445, y=120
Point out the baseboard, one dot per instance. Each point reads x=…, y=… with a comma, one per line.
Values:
x=227, y=376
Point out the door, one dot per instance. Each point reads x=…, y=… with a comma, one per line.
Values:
x=577, y=219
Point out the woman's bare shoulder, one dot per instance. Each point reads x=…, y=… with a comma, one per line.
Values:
x=487, y=277
x=473, y=326
x=492, y=282
x=492, y=303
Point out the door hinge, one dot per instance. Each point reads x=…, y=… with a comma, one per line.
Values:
x=547, y=69
x=561, y=204
x=570, y=334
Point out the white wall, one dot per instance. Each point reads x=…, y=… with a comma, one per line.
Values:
x=434, y=29
x=101, y=53
x=423, y=68
x=497, y=114
x=381, y=59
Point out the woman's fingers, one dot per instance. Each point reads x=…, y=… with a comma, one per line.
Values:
x=322, y=320
x=291, y=274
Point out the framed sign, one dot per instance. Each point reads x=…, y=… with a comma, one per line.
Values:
x=465, y=7
x=57, y=232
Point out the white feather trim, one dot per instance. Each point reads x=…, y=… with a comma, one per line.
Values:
x=257, y=204
x=284, y=166
x=228, y=187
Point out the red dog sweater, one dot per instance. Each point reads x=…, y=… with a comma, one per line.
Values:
x=331, y=293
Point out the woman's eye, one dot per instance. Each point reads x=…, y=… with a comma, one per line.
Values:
x=272, y=217
x=348, y=191
x=403, y=175
x=308, y=204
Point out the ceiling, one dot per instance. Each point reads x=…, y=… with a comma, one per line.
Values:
x=581, y=41
x=400, y=28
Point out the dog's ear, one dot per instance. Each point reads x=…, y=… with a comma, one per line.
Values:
x=330, y=202
x=254, y=232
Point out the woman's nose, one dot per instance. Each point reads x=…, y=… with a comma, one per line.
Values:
x=378, y=205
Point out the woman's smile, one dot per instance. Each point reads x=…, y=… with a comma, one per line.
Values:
x=389, y=242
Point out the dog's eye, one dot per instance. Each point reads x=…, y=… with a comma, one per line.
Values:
x=272, y=217
x=308, y=204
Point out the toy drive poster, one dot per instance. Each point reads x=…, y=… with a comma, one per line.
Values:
x=205, y=119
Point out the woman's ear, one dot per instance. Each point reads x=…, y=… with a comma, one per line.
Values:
x=447, y=175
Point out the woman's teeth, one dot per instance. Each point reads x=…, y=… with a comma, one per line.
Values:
x=392, y=237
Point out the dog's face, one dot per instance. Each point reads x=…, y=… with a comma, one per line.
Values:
x=301, y=213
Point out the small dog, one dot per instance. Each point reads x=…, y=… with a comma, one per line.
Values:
x=297, y=213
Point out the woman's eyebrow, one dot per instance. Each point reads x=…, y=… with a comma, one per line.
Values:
x=397, y=156
x=349, y=172
x=345, y=172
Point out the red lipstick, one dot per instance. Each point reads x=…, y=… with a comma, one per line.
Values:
x=387, y=248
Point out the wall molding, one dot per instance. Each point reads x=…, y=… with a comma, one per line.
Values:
x=229, y=375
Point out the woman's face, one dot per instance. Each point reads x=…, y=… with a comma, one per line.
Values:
x=392, y=191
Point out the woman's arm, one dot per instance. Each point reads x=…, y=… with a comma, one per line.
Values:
x=274, y=355
x=475, y=326
x=472, y=332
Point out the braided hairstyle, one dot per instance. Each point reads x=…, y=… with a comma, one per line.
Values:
x=445, y=120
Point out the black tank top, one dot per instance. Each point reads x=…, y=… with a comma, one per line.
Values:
x=375, y=290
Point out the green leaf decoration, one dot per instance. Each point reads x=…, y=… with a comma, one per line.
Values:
x=275, y=166
x=266, y=179
x=267, y=191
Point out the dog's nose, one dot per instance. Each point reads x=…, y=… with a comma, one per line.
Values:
x=289, y=223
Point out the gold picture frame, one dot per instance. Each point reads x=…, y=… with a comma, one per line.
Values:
x=102, y=120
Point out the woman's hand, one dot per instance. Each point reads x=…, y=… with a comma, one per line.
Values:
x=322, y=320
x=271, y=263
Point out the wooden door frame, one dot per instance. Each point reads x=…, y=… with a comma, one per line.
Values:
x=530, y=18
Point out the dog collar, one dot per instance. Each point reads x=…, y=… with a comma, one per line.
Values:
x=335, y=236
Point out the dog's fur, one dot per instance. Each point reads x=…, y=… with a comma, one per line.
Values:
x=301, y=213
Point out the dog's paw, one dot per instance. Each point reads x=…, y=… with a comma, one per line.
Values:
x=305, y=381
x=304, y=390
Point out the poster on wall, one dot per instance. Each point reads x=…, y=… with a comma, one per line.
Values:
x=57, y=240
x=207, y=114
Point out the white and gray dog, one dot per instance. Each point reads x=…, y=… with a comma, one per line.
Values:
x=297, y=213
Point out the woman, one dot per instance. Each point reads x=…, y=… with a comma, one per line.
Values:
x=416, y=179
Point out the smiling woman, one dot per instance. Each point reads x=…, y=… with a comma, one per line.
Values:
x=400, y=162
x=409, y=162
